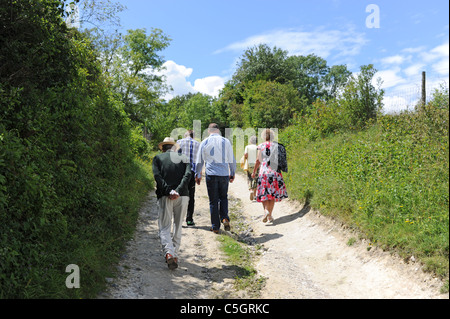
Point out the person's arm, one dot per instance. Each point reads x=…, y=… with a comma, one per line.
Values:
x=257, y=163
x=231, y=161
x=156, y=167
x=199, y=164
x=186, y=178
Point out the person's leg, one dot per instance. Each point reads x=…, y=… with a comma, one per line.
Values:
x=213, y=194
x=180, y=206
x=249, y=180
x=270, y=205
x=165, y=213
x=190, y=210
x=250, y=183
x=266, y=211
x=264, y=203
x=223, y=183
x=255, y=186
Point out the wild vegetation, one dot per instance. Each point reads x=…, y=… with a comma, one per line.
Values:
x=389, y=181
x=79, y=123
x=70, y=177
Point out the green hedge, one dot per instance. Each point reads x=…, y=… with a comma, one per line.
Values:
x=70, y=184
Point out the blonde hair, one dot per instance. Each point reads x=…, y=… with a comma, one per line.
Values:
x=268, y=135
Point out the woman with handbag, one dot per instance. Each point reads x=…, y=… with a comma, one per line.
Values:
x=270, y=184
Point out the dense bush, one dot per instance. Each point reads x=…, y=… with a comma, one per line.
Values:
x=389, y=181
x=355, y=108
x=270, y=88
x=270, y=104
x=69, y=181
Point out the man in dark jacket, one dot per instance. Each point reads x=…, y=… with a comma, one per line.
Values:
x=172, y=173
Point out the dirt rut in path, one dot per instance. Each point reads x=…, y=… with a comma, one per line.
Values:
x=306, y=256
x=202, y=272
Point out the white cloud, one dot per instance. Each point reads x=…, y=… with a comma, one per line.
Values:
x=442, y=55
x=321, y=42
x=442, y=50
x=441, y=67
x=439, y=52
x=395, y=59
x=390, y=78
x=414, y=70
x=177, y=77
x=414, y=50
x=210, y=85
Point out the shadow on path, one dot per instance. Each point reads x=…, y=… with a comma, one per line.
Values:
x=290, y=218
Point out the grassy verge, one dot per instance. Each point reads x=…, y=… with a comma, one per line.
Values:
x=240, y=254
x=390, y=182
x=98, y=253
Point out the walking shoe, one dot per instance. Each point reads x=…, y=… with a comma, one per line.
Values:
x=215, y=231
x=226, y=224
x=172, y=262
x=266, y=216
x=190, y=223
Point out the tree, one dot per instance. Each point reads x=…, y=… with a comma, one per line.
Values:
x=134, y=73
x=314, y=79
x=361, y=100
x=98, y=13
x=259, y=63
x=271, y=104
x=263, y=63
x=231, y=102
x=198, y=107
x=132, y=61
x=335, y=80
x=308, y=75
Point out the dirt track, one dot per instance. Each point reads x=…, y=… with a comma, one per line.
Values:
x=305, y=255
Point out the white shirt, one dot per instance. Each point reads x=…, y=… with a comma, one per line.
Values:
x=217, y=152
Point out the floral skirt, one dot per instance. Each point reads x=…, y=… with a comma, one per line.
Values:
x=271, y=187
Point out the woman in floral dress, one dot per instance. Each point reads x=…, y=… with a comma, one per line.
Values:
x=271, y=187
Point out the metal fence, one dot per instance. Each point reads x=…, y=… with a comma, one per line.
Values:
x=406, y=97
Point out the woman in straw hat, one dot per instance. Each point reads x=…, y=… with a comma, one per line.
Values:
x=271, y=187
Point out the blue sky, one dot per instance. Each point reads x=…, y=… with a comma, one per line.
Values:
x=209, y=36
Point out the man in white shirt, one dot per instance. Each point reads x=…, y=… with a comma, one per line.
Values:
x=217, y=152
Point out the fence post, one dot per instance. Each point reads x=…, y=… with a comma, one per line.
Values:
x=424, y=90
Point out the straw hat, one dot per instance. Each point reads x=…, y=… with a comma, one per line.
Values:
x=168, y=140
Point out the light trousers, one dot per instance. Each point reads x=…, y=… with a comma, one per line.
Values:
x=171, y=212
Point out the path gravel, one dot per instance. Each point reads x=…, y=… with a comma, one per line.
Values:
x=304, y=256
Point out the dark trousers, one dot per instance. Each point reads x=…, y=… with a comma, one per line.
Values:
x=190, y=211
x=218, y=199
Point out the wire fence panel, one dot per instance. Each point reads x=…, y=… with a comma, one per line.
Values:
x=406, y=97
